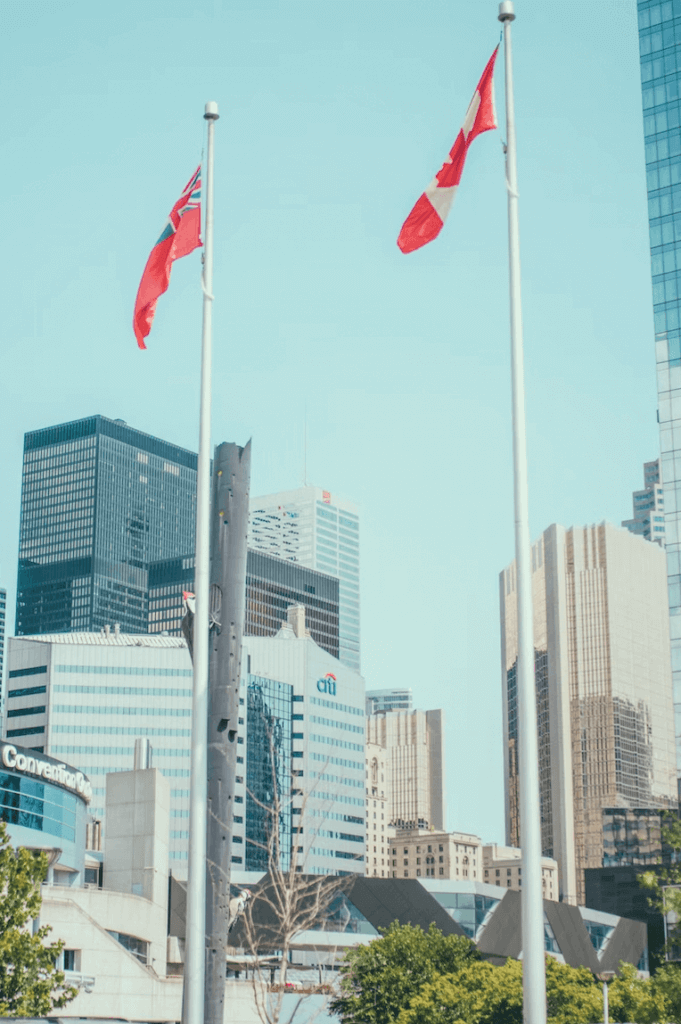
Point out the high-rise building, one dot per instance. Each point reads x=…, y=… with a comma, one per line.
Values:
x=604, y=696
x=393, y=699
x=378, y=831
x=272, y=586
x=660, y=50
x=328, y=802
x=648, y=506
x=317, y=529
x=99, y=502
x=3, y=624
x=86, y=698
x=414, y=741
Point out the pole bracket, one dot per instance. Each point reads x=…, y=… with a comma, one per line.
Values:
x=205, y=291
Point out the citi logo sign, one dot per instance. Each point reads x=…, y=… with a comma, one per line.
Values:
x=327, y=684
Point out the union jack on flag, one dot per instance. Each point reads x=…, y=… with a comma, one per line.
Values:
x=189, y=200
x=180, y=236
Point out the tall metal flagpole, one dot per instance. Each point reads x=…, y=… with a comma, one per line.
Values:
x=195, y=950
x=534, y=977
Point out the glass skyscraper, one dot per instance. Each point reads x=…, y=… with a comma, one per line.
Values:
x=317, y=529
x=99, y=502
x=272, y=586
x=660, y=48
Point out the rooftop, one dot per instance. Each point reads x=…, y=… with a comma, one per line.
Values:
x=111, y=640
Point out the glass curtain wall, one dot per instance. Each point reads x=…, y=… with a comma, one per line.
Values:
x=660, y=49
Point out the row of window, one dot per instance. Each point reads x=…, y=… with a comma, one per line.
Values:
x=348, y=726
x=121, y=730
x=335, y=706
x=128, y=691
x=332, y=741
x=125, y=670
x=81, y=709
x=120, y=751
x=340, y=762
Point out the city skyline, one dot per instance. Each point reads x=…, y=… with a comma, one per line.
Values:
x=405, y=406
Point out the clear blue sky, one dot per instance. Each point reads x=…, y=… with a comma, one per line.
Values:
x=334, y=118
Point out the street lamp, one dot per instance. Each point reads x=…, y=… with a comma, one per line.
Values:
x=605, y=977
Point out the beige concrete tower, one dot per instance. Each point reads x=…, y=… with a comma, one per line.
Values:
x=604, y=690
x=414, y=742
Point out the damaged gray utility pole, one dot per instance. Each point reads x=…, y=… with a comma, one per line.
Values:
x=228, y=549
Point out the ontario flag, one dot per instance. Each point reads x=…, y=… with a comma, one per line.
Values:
x=181, y=235
x=426, y=220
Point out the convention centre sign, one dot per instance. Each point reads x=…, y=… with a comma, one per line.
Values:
x=27, y=762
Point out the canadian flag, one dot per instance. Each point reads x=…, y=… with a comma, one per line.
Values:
x=426, y=220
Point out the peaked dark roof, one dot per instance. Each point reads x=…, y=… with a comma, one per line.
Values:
x=384, y=900
x=380, y=900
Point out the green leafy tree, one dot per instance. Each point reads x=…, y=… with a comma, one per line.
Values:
x=30, y=984
x=379, y=980
x=667, y=983
x=478, y=993
x=664, y=883
x=631, y=998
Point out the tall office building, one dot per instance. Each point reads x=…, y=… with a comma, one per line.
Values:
x=414, y=743
x=393, y=699
x=272, y=586
x=327, y=748
x=648, y=506
x=3, y=624
x=604, y=695
x=86, y=697
x=319, y=530
x=660, y=48
x=99, y=502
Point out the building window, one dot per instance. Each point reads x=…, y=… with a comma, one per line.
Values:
x=71, y=958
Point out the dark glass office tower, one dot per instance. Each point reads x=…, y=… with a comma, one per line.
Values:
x=272, y=586
x=99, y=502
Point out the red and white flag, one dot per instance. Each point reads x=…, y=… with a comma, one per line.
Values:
x=180, y=236
x=426, y=220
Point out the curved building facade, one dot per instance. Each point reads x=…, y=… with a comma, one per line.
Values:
x=44, y=803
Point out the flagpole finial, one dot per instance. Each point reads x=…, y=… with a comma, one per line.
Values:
x=211, y=111
x=506, y=12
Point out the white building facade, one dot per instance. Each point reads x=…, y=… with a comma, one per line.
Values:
x=320, y=530
x=327, y=748
x=86, y=697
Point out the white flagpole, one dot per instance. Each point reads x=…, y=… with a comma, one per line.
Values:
x=532, y=905
x=195, y=950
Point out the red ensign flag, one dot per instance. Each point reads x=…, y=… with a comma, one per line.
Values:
x=425, y=221
x=181, y=235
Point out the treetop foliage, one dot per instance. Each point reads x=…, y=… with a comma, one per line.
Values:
x=411, y=977
x=30, y=984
